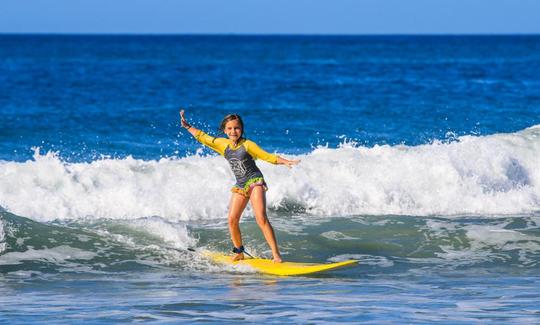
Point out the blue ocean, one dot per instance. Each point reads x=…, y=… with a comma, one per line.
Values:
x=420, y=157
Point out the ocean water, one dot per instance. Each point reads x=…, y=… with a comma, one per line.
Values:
x=420, y=156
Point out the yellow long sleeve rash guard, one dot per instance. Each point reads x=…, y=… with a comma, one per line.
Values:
x=220, y=145
x=241, y=158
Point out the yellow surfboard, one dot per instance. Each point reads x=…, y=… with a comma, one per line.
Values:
x=267, y=266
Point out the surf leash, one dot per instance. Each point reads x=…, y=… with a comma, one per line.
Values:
x=236, y=250
x=189, y=249
x=241, y=249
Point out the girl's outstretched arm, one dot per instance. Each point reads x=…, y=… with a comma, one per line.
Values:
x=255, y=151
x=216, y=144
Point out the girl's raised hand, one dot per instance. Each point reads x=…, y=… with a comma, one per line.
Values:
x=183, y=121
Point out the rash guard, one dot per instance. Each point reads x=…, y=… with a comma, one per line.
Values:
x=241, y=158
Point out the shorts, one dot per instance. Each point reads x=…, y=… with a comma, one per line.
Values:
x=250, y=184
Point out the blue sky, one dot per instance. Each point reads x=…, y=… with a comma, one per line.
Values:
x=271, y=16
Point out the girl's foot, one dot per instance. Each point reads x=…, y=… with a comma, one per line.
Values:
x=238, y=257
x=277, y=259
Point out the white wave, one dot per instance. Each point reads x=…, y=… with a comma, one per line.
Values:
x=47, y=188
x=496, y=174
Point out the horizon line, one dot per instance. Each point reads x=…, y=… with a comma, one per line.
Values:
x=258, y=34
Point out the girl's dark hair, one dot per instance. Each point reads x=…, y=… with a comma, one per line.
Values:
x=232, y=117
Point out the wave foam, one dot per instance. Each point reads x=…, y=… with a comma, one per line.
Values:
x=3, y=244
x=496, y=174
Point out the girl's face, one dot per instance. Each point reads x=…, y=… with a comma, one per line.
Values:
x=233, y=129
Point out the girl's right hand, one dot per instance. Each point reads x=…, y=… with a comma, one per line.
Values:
x=183, y=121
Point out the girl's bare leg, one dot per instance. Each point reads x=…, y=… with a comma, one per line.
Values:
x=258, y=202
x=236, y=207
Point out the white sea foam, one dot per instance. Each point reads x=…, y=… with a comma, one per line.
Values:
x=470, y=243
x=174, y=234
x=3, y=244
x=496, y=174
x=58, y=255
x=336, y=235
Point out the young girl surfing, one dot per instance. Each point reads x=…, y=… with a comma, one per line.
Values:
x=250, y=185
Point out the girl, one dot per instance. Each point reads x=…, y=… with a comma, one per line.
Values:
x=250, y=186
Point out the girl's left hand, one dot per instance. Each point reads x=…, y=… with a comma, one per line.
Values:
x=290, y=163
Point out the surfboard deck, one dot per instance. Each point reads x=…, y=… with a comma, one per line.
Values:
x=267, y=266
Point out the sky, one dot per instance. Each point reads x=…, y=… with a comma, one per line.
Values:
x=271, y=16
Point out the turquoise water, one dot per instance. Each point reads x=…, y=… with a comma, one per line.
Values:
x=420, y=158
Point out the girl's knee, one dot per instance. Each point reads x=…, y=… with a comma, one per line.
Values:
x=234, y=221
x=262, y=220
